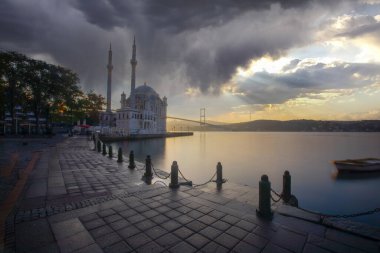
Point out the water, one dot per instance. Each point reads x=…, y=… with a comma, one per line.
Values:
x=245, y=156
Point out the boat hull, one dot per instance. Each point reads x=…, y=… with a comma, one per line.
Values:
x=359, y=165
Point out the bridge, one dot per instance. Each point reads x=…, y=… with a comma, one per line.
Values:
x=202, y=120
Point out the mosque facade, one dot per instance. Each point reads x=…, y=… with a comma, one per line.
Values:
x=142, y=112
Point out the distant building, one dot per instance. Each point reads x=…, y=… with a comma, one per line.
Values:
x=143, y=112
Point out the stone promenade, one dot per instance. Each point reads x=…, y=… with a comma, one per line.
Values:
x=77, y=200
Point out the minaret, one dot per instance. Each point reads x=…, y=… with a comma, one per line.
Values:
x=133, y=75
x=109, y=79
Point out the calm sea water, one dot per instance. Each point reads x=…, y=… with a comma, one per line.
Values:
x=245, y=156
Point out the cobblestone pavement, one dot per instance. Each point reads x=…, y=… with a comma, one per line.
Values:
x=78, y=200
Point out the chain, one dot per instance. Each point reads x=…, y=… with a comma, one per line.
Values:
x=209, y=181
x=161, y=177
x=183, y=175
x=160, y=182
x=376, y=210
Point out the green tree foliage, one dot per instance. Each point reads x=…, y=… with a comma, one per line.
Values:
x=47, y=90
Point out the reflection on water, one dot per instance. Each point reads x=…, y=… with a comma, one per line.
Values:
x=245, y=156
x=355, y=175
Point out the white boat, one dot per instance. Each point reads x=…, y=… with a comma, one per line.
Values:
x=358, y=165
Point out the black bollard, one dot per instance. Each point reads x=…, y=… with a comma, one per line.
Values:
x=98, y=146
x=286, y=186
x=264, y=210
x=104, y=149
x=132, y=164
x=219, y=175
x=148, y=167
x=110, y=154
x=94, y=144
x=174, y=176
x=120, y=156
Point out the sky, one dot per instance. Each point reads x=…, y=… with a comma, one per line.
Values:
x=241, y=60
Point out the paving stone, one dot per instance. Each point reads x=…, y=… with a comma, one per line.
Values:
x=183, y=209
x=112, y=218
x=256, y=240
x=150, y=213
x=141, y=208
x=183, y=219
x=174, y=205
x=49, y=248
x=88, y=217
x=197, y=240
x=94, y=223
x=210, y=232
x=351, y=240
x=230, y=219
x=328, y=244
x=183, y=247
x=195, y=214
x=289, y=240
x=243, y=247
x=138, y=240
x=310, y=248
x=159, y=219
x=32, y=234
x=213, y=247
x=272, y=248
x=163, y=209
x=183, y=232
x=128, y=213
x=264, y=232
x=154, y=204
x=172, y=214
x=145, y=225
x=206, y=219
x=196, y=226
x=248, y=226
x=168, y=240
x=100, y=231
x=119, y=247
x=67, y=228
x=108, y=239
x=92, y=248
x=170, y=225
x=205, y=209
x=194, y=205
x=221, y=225
x=120, y=208
x=216, y=214
x=236, y=232
x=128, y=231
x=136, y=218
x=119, y=224
x=155, y=232
x=151, y=247
x=226, y=240
x=75, y=242
x=105, y=213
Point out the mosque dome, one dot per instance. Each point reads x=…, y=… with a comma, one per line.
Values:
x=147, y=91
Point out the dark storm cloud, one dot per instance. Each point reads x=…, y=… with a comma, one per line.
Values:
x=194, y=43
x=276, y=88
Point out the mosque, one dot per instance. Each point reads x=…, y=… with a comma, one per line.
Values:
x=143, y=112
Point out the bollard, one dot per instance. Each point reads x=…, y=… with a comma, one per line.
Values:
x=264, y=210
x=104, y=149
x=148, y=167
x=98, y=146
x=132, y=164
x=94, y=144
x=110, y=154
x=286, y=186
x=174, y=176
x=120, y=156
x=219, y=175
